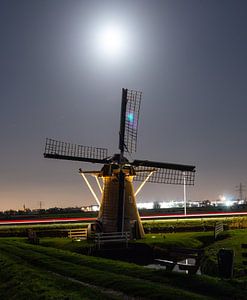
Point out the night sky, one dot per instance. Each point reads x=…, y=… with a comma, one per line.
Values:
x=189, y=58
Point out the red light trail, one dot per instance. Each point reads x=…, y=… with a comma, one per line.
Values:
x=150, y=217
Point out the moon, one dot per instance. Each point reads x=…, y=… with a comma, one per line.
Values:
x=112, y=40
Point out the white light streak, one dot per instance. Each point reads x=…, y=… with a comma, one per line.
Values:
x=97, y=180
x=141, y=186
x=90, y=188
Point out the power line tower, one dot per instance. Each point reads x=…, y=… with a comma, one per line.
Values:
x=240, y=189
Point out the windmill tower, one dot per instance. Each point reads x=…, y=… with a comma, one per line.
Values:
x=118, y=210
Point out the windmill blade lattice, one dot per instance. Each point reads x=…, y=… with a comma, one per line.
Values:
x=62, y=150
x=131, y=107
x=164, y=172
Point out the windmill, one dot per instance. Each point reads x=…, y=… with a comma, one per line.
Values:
x=118, y=211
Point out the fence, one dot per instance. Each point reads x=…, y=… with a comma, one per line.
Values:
x=218, y=229
x=244, y=255
x=78, y=234
x=112, y=237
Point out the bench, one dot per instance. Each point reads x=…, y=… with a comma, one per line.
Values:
x=111, y=237
x=78, y=234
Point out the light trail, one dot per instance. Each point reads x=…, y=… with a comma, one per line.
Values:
x=45, y=221
x=182, y=216
x=150, y=217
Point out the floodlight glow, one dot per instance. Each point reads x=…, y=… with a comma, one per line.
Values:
x=145, y=205
x=95, y=208
x=227, y=200
x=165, y=204
x=228, y=203
x=223, y=198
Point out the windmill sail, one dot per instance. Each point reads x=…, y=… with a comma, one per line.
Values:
x=62, y=150
x=167, y=173
x=118, y=209
x=130, y=109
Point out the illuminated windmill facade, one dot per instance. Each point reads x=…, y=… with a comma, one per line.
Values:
x=118, y=211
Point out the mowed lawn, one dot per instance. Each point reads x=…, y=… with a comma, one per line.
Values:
x=38, y=272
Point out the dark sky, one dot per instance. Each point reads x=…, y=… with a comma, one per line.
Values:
x=189, y=58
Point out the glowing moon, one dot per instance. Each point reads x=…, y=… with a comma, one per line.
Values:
x=112, y=41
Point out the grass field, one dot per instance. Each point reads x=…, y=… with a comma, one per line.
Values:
x=231, y=239
x=195, y=224
x=56, y=269
x=41, y=229
x=37, y=272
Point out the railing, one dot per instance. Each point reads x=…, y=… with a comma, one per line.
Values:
x=80, y=234
x=112, y=237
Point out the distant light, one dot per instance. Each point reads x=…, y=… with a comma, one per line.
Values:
x=145, y=205
x=228, y=203
x=223, y=198
x=95, y=207
x=227, y=200
x=166, y=204
x=90, y=208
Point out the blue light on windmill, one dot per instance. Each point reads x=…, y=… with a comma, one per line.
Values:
x=130, y=117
